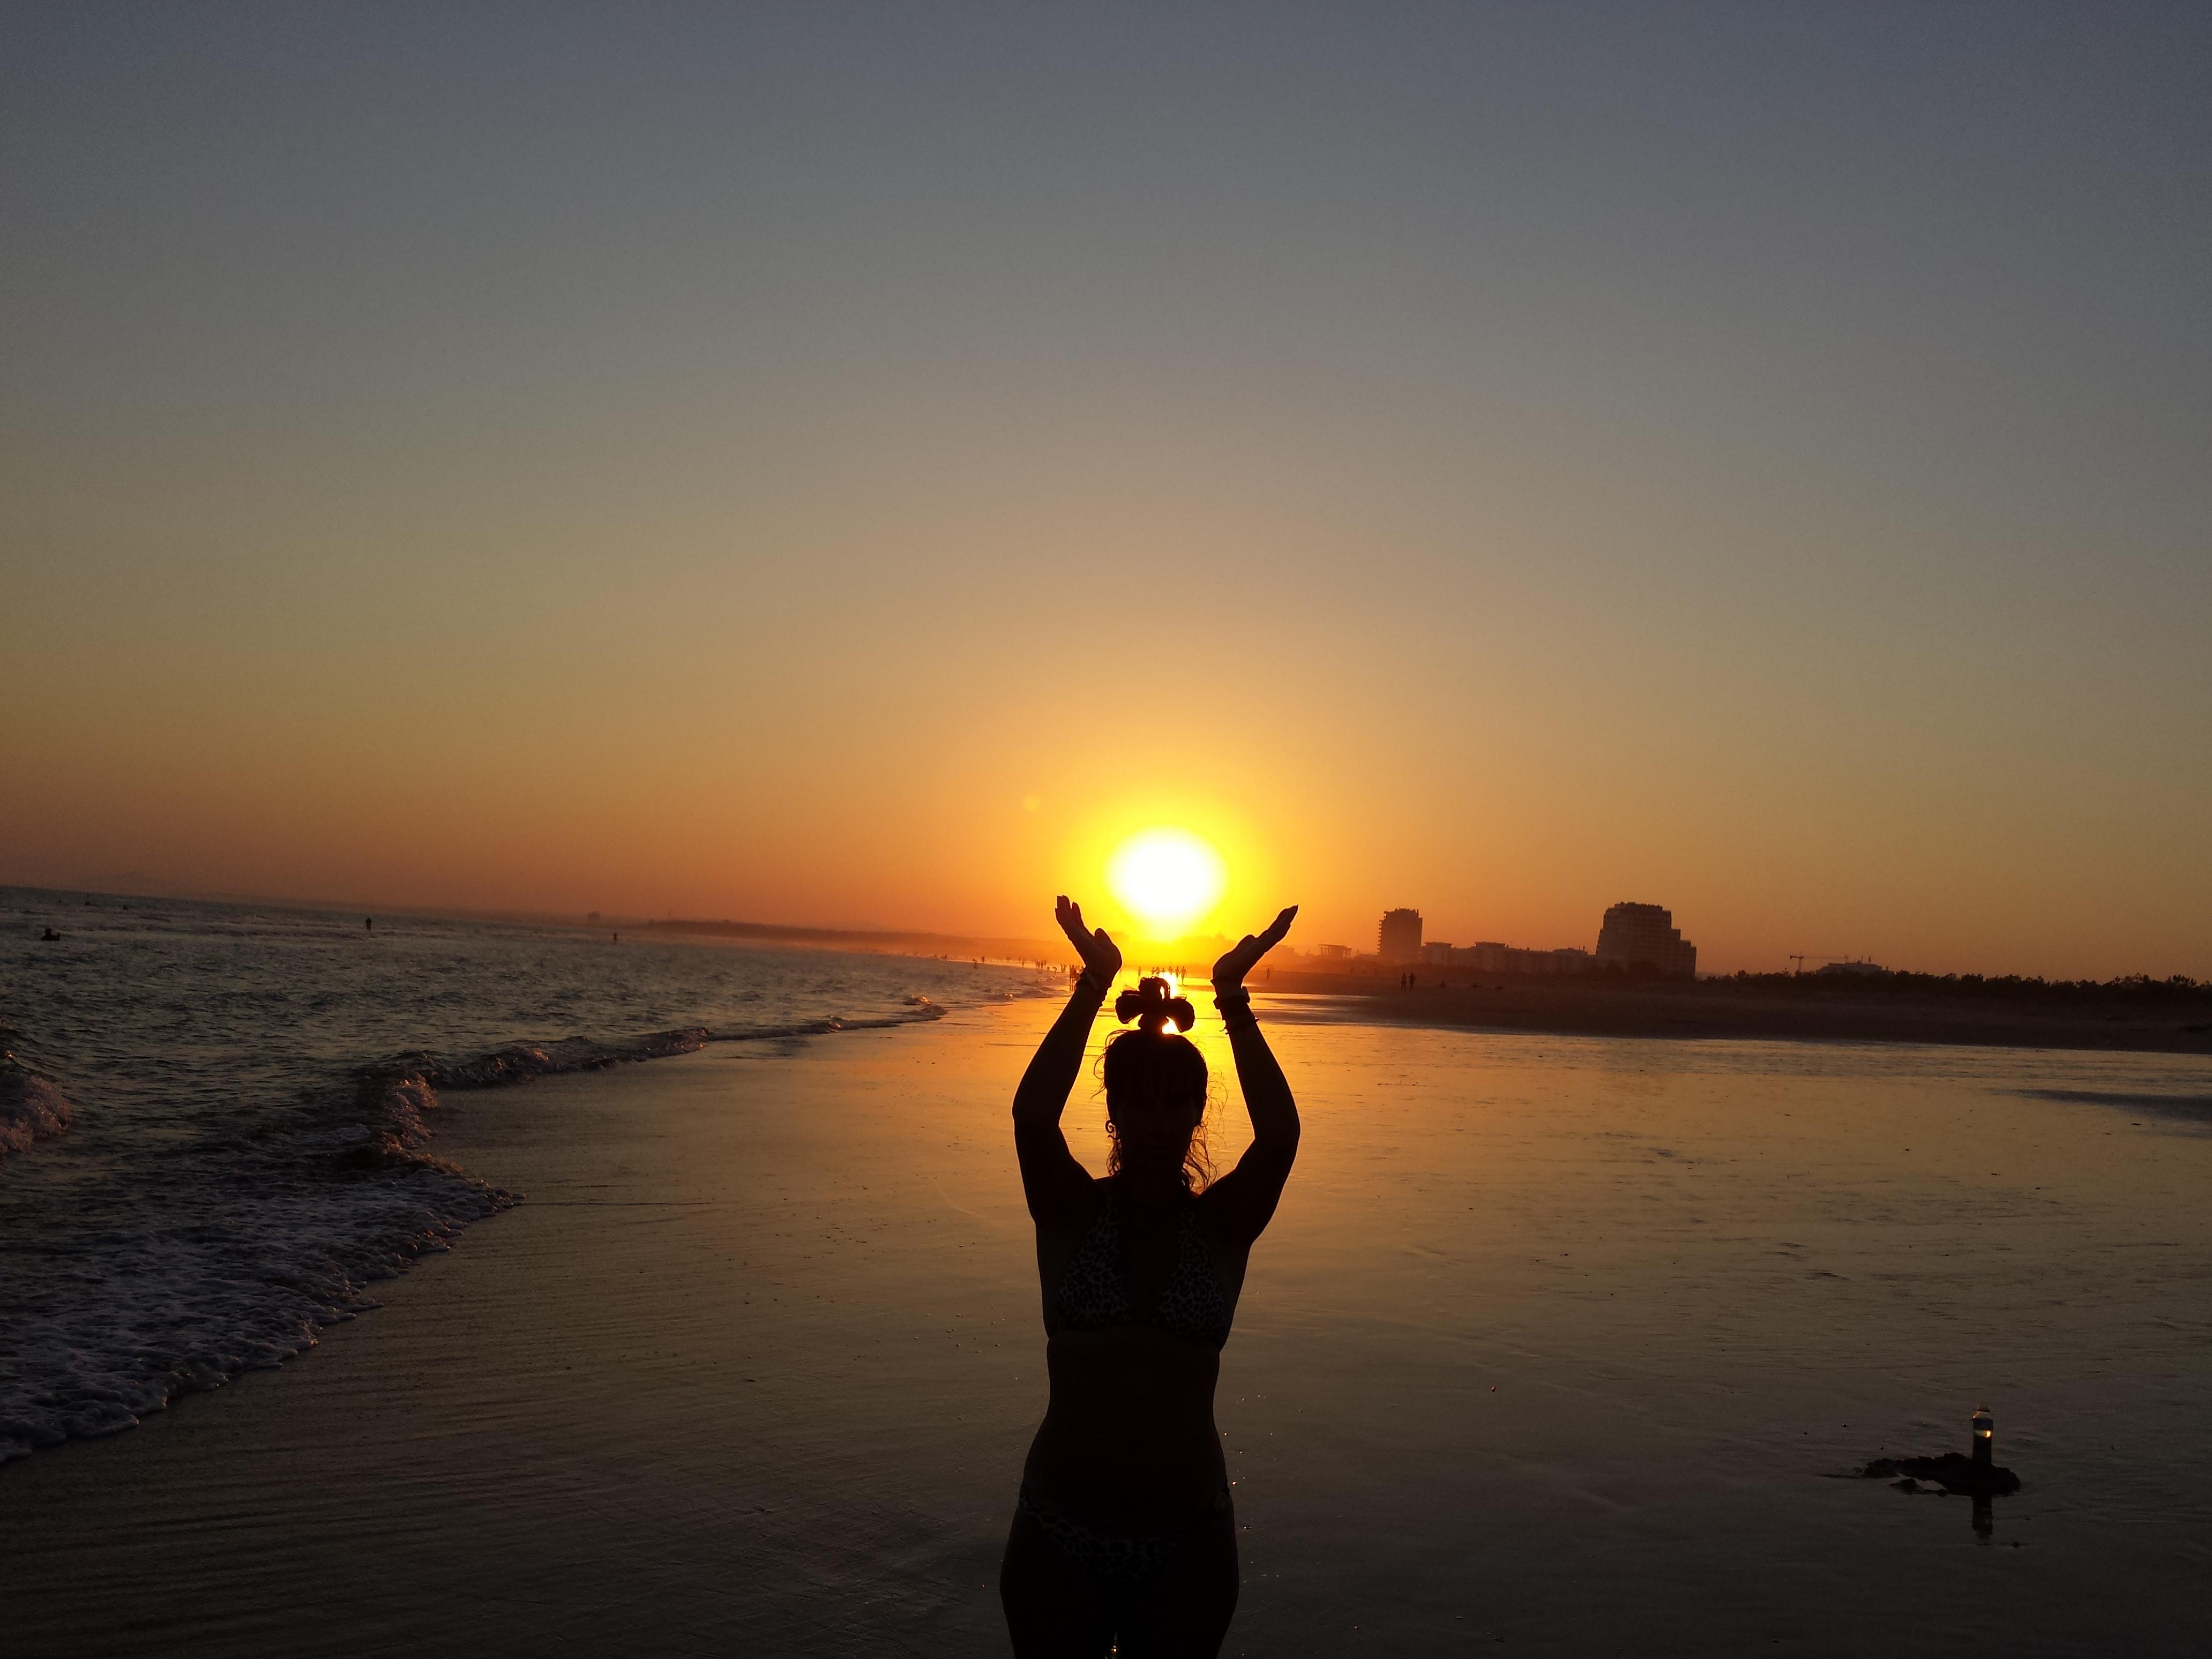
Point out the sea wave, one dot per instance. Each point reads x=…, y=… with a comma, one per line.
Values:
x=31, y=1108
x=214, y=1260
x=230, y=1256
x=253, y=1100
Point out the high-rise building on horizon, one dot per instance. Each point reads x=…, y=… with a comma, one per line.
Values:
x=1644, y=936
x=1399, y=937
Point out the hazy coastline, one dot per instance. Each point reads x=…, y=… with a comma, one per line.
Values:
x=2056, y=1018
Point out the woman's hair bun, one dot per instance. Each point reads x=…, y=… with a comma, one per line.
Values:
x=1151, y=1007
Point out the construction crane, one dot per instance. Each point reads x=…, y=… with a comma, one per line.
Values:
x=1799, y=957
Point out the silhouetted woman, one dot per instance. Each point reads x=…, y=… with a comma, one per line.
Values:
x=1124, y=1530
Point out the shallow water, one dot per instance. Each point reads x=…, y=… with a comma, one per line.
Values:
x=1556, y=1344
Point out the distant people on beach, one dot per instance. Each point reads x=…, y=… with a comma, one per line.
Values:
x=368, y=924
x=1124, y=1533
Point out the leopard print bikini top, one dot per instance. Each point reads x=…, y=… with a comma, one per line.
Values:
x=1094, y=1295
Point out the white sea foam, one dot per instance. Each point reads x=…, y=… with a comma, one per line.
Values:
x=181, y=1274
x=31, y=1109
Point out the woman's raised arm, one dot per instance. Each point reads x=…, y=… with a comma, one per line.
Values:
x=1055, y=1185
x=1245, y=1198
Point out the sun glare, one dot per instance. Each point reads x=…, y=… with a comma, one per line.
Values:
x=1168, y=879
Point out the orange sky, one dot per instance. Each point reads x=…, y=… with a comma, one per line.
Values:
x=806, y=481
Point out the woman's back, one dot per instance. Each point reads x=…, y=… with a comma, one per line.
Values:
x=1135, y=1318
x=1124, y=1527
x=1142, y=1271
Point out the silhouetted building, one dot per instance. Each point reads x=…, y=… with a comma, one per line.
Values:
x=1866, y=969
x=1399, y=938
x=1490, y=957
x=1436, y=952
x=1644, y=936
x=1333, y=953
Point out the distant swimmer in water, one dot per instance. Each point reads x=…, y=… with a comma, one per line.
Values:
x=1124, y=1532
x=49, y=937
x=368, y=924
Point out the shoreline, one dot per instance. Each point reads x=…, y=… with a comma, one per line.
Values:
x=753, y=1368
x=599, y=1422
x=1714, y=1009
x=212, y=1208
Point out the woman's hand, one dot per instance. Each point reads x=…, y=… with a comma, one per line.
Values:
x=1238, y=961
x=1102, y=958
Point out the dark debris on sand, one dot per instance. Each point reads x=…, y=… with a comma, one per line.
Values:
x=1952, y=1471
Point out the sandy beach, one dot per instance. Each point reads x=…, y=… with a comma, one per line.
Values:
x=1554, y=1347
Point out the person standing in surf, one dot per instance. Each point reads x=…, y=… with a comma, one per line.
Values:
x=1124, y=1532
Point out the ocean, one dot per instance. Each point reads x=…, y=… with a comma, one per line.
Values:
x=217, y=1121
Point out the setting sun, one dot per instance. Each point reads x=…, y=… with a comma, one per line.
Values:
x=1168, y=879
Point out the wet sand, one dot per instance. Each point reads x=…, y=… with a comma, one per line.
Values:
x=1551, y=1349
